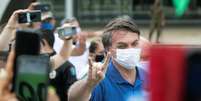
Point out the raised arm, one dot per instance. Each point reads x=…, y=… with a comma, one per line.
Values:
x=81, y=90
x=64, y=53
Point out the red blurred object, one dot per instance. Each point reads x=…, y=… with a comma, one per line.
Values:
x=145, y=45
x=167, y=72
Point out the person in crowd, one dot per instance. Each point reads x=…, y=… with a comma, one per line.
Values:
x=157, y=21
x=96, y=50
x=118, y=75
x=64, y=74
x=80, y=53
x=48, y=20
x=61, y=77
x=57, y=61
x=145, y=54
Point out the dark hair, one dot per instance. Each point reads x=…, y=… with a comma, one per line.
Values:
x=120, y=23
x=93, y=47
x=48, y=35
x=68, y=20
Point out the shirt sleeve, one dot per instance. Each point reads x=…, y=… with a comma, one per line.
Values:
x=70, y=75
x=97, y=93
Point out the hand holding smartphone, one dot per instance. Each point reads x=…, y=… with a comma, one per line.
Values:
x=28, y=17
x=30, y=68
x=66, y=31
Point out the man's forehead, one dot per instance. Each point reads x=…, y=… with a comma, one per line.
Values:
x=117, y=35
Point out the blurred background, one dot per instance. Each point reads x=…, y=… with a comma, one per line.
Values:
x=182, y=17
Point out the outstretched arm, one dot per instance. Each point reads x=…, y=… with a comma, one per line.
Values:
x=81, y=90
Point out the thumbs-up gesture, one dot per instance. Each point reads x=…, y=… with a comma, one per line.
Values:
x=97, y=71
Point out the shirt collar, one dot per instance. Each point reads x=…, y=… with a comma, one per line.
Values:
x=115, y=75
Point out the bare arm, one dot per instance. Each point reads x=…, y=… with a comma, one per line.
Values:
x=81, y=90
x=63, y=55
x=6, y=36
x=80, y=49
x=9, y=30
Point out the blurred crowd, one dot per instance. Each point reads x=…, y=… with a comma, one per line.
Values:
x=83, y=65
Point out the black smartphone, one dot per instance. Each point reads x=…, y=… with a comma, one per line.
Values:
x=27, y=42
x=3, y=58
x=32, y=77
x=66, y=31
x=28, y=17
x=193, y=74
x=42, y=7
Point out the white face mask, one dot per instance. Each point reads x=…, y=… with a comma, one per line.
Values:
x=128, y=58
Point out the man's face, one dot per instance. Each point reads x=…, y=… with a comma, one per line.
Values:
x=122, y=39
x=99, y=52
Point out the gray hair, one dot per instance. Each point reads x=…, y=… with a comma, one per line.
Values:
x=119, y=23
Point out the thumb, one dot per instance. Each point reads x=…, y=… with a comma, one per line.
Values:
x=101, y=75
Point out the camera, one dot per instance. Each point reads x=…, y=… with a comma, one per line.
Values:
x=28, y=17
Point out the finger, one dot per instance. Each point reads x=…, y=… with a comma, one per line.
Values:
x=101, y=75
x=90, y=63
x=106, y=62
x=94, y=73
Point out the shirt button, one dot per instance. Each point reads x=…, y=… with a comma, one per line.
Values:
x=52, y=74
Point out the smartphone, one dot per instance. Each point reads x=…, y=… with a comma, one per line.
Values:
x=42, y=7
x=66, y=31
x=28, y=17
x=32, y=77
x=27, y=42
x=193, y=74
x=3, y=58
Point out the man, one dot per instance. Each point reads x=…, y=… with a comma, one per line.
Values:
x=158, y=21
x=79, y=54
x=62, y=76
x=96, y=50
x=118, y=78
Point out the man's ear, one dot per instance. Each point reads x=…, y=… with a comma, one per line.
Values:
x=111, y=50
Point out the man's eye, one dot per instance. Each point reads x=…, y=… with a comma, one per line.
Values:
x=121, y=46
x=134, y=44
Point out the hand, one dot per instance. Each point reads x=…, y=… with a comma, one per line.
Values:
x=32, y=5
x=13, y=20
x=82, y=38
x=97, y=71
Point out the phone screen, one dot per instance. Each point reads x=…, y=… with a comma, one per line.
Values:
x=27, y=17
x=68, y=31
x=32, y=77
x=27, y=43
